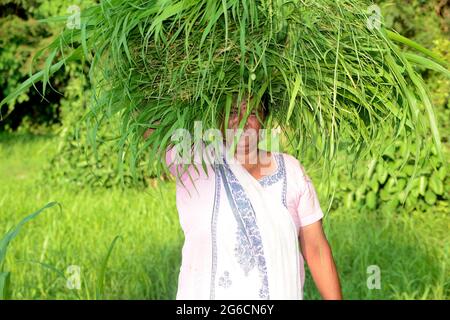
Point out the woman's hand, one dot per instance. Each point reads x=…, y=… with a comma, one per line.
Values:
x=148, y=132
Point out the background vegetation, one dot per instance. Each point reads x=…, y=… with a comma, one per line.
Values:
x=373, y=216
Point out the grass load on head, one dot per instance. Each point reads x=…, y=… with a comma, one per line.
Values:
x=333, y=73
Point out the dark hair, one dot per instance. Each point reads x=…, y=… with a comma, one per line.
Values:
x=265, y=102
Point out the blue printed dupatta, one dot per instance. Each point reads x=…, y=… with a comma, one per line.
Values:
x=255, y=248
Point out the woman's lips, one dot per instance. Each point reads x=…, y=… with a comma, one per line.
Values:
x=246, y=139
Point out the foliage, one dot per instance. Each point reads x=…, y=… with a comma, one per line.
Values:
x=427, y=22
x=329, y=76
x=19, y=41
x=421, y=20
x=76, y=163
x=383, y=184
x=22, y=35
x=369, y=223
x=79, y=163
x=4, y=243
x=391, y=184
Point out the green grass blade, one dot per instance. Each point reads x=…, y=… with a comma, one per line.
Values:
x=295, y=90
x=399, y=38
x=13, y=232
x=5, y=285
x=426, y=63
x=102, y=270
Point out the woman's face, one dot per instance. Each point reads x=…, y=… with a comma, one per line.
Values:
x=250, y=135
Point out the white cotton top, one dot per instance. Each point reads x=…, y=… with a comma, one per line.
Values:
x=289, y=184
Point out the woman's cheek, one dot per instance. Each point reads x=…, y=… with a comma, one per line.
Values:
x=232, y=124
x=254, y=122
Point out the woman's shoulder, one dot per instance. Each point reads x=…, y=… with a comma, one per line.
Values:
x=292, y=164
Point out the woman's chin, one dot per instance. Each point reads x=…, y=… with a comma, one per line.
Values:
x=242, y=148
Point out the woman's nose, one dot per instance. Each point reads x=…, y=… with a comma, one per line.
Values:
x=239, y=122
x=241, y=117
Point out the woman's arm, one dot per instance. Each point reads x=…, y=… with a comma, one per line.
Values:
x=317, y=253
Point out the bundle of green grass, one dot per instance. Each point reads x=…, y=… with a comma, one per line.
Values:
x=332, y=73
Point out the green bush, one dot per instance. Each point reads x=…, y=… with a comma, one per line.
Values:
x=390, y=183
x=22, y=35
x=76, y=162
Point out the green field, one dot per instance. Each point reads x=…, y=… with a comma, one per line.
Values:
x=412, y=251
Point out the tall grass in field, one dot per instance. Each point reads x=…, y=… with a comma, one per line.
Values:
x=143, y=263
x=4, y=244
x=411, y=251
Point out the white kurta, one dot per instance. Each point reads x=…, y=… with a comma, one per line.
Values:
x=208, y=270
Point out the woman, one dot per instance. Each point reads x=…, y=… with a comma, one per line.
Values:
x=243, y=219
